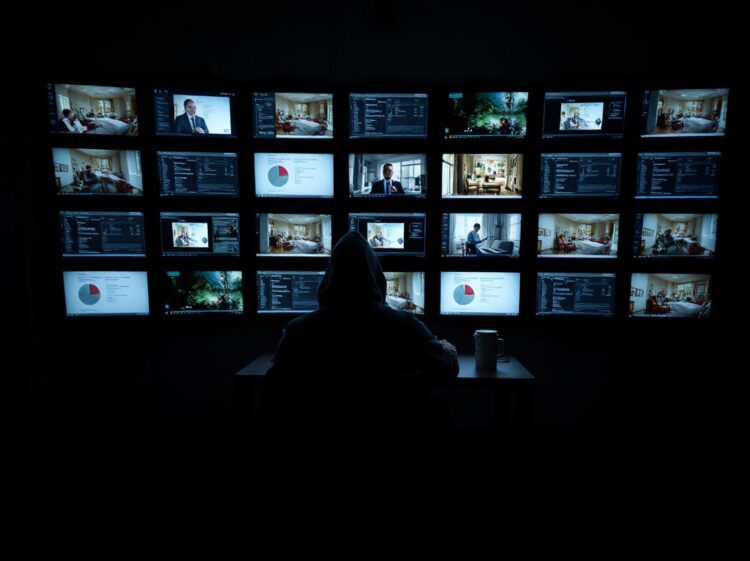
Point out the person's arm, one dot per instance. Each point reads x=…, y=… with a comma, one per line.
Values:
x=435, y=359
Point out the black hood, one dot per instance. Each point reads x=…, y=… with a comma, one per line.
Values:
x=354, y=277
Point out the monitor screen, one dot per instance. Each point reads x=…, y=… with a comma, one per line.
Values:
x=293, y=115
x=283, y=174
x=482, y=175
x=575, y=294
x=405, y=292
x=481, y=235
x=479, y=294
x=296, y=235
x=98, y=110
x=392, y=234
x=472, y=115
x=190, y=113
x=383, y=175
x=291, y=292
x=102, y=234
x=106, y=293
x=675, y=235
x=580, y=175
x=684, y=175
x=83, y=171
x=200, y=233
x=668, y=295
x=198, y=173
x=582, y=114
x=578, y=235
x=203, y=292
x=684, y=113
x=375, y=115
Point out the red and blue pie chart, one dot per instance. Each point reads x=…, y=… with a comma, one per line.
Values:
x=278, y=176
x=463, y=294
x=89, y=294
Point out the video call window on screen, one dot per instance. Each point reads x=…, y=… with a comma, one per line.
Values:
x=293, y=115
x=685, y=175
x=203, y=292
x=580, y=175
x=481, y=235
x=198, y=233
x=582, y=114
x=697, y=112
x=675, y=235
x=106, y=293
x=284, y=174
x=405, y=292
x=291, y=292
x=98, y=110
x=392, y=234
x=83, y=171
x=198, y=173
x=189, y=113
x=297, y=235
x=472, y=115
x=575, y=294
x=394, y=115
x=384, y=175
x=482, y=175
x=578, y=235
x=102, y=234
x=666, y=295
x=479, y=293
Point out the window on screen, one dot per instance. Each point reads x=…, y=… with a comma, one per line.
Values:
x=482, y=176
x=660, y=236
x=593, y=236
x=293, y=115
x=190, y=113
x=198, y=173
x=384, y=175
x=481, y=235
x=288, y=292
x=684, y=113
x=580, y=175
x=102, y=234
x=195, y=233
x=395, y=115
x=89, y=172
x=92, y=110
x=670, y=295
x=575, y=294
x=296, y=235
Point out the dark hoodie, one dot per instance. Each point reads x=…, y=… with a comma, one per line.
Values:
x=349, y=358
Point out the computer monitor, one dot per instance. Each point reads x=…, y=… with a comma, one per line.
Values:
x=575, y=175
x=678, y=175
x=477, y=235
x=284, y=174
x=670, y=295
x=102, y=234
x=293, y=235
x=197, y=173
x=466, y=176
x=587, y=236
x=479, y=293
x=293, y=115
x=684, y=113
x=386, y=175
x=388, y=115
x=88, y=172
x=661, y=236
x=575, y=294
x=200, y=233
x=288, y=292
x=106, y=293
x=92, y=110
x=202, y=292
x=584, y=114
x=194, y=113
x=486, y=114
x=405, y=292
x=392, y=234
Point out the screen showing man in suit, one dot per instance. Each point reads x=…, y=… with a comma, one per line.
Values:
x=387, y=185
x=189, y=122
x=189, y=113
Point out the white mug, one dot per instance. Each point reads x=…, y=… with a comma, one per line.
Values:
x=487, y=346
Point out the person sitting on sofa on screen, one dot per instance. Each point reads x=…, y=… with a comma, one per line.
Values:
x=189, y=122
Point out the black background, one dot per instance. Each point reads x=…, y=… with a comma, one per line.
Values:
x=605, y=383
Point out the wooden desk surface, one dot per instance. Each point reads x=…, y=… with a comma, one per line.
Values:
x=512, y=372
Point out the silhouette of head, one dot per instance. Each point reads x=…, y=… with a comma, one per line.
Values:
x=354, y=277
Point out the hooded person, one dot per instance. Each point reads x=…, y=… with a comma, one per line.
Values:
x=345, y=363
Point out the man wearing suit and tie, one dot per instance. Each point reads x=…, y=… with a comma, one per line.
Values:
x=189, y=122
x=386, y=186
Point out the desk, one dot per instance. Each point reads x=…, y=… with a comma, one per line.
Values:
x=512, y=386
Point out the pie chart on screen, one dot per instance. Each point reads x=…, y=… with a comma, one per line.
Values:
x=278, y=176
x=463, y=294
x=89, y=294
